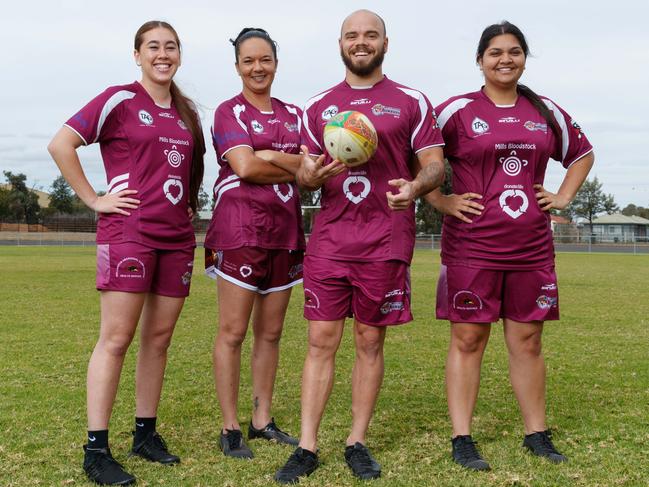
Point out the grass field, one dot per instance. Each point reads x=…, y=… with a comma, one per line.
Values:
x=598, y=385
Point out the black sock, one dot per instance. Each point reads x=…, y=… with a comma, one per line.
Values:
x=97, y=439
x=143, y=426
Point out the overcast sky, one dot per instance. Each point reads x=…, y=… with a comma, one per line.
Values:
x=590, y=57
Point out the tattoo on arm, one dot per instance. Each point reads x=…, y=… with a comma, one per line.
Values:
x=430, y=177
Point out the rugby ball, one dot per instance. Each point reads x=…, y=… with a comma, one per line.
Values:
x=350, y=138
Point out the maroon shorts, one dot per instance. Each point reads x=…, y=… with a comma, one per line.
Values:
x=466, y=295
x=261, y=270
x=375, y=293
x=136, y=268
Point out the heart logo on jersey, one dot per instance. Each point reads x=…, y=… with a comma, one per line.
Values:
x=513, y=202
x=282, y=196
x=173, y=189
x=356, y=188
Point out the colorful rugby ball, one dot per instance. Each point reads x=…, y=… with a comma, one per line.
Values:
x=350, y=138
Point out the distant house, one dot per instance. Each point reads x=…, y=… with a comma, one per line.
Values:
x=620, y=228
x=43, y=197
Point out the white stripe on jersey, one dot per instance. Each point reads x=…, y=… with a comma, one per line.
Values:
x=293, y=111
x=110, y=104
x=232, y=177
x=305, y=119
x=75, y=131
x=450, y=109
x=118, y=188
x=565, y=136
x=118, y=179
x=237, y=110
x=423, y=108
x=225, y=188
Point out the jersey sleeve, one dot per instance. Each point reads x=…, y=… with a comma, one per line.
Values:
x=309, y=130
x=229, y=130
x=448, y=126
x=425, y=129
x=96, y=120
x=574, y=143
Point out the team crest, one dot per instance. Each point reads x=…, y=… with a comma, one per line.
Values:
x=330, y=112
x=479, y=126
x=257, y=127
x=145, y=117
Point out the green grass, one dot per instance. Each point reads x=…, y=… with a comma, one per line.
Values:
x=598, y=385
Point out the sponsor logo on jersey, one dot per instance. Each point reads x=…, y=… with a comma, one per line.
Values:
x=330, y=112
x=291, y=127
x=435, y=122
x=479, y=126
x=285, y=197
x=467, y=300
x=273, y=121
x=257, y=127
x=295, y=270
x=130, y=267
x=379, y=109
x=284, y=146
x=509, y=120
x=174, y=158
x=225, y=137
x=361, y=101
x=391, y=306
x=532, y=126
x=165, y=115
x=513, y=202
x=145, y=117
x=245, y=270
x=546, y=302
x=173, y=190
x=549, y=287
x=577, y=127
x=182, y=124
x=512, y=165
x=356, y=188
x=80, y=120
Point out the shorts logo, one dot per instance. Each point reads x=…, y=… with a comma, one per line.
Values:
x=182, y=124
x=379, y=109
x=479, y=126
x=186, y=278
x=245, y=270
x=219, y=259
x=174, y=158
x=330, y=112
x=257, y=127
x=508, y=207
x=512, y=165
x=546, y=302
x=145, y=117
x=532, y=126
x=311, y=299
x=391, y=306
x=549, y=287
x=295, y=271
x=395, y=292
x=467, y=300
x=282, y=196
x=355, y=196
x=172, y=186
x=130, y=267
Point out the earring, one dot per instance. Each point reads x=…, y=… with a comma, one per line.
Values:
x=138, y=64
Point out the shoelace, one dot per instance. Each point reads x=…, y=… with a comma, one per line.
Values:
x=467, y=450
x=546, y=445
x=160, y=443
x=103, y=463
x=361, y=457
x=295, y=460
x=234, y=439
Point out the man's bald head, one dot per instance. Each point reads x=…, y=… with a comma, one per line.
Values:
x=362, y=14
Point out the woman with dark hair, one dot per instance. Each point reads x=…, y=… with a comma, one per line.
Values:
x=497, y=250
x=152, y=147
x=255, y=243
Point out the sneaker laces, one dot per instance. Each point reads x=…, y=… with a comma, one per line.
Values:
x=104, y=462
x=159, y=442
x=467, y=449
x=545, y=443
x=234, y=438
x=295, y=460
x=362, y=457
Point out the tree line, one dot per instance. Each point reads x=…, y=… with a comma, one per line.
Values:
x=19, y=203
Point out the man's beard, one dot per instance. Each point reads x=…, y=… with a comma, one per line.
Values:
x=364, y=70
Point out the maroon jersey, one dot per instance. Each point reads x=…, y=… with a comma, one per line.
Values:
x=147, y=148
x=501, y=152
x=355, y=222
x=247, y=214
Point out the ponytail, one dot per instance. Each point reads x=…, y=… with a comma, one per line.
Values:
x=189, y=114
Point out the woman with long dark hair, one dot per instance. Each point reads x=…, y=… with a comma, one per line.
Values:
x=255, y=243
x=497, y=250
x=152, y=147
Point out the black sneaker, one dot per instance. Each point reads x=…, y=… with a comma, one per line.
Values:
x=272, y=433
x=301, y=463
x=540, y=444
x=360, y=460
x=233, y=445
x=465, y=453
x=103, y=469
x=154, y=449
